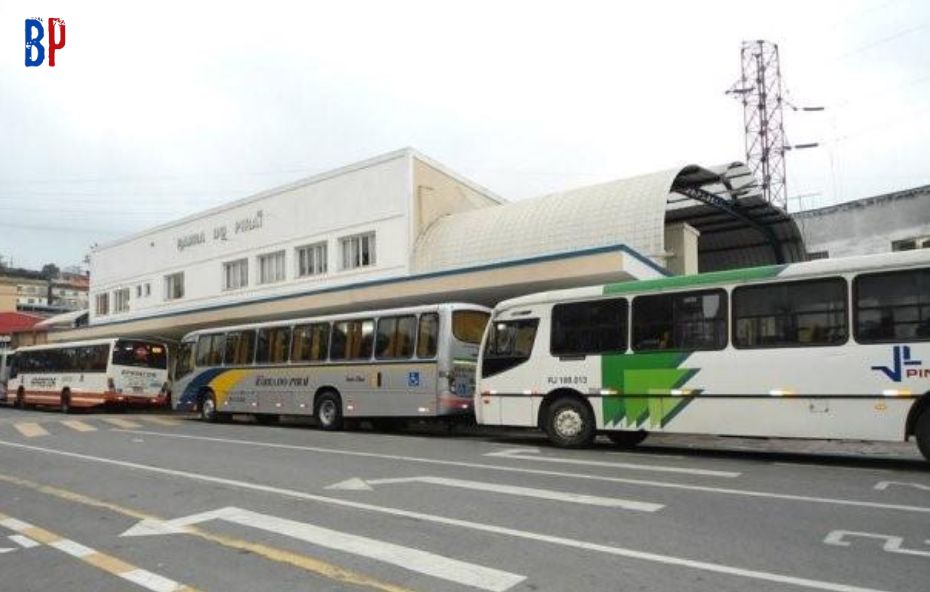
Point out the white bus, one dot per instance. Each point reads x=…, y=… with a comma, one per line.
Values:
x=400, y=363
x=123, y=372
x=6, y=355
x=834, y=348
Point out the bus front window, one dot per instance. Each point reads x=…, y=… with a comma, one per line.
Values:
x=468, y=325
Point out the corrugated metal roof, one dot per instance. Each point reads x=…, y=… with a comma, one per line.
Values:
x=633, y=212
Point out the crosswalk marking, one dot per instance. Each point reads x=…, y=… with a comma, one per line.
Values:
x=30, y=429
x=162, y=421
x=23, y=541
x=121, y=423
x=76, y=424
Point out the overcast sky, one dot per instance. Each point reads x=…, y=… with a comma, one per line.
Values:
x=158, y=110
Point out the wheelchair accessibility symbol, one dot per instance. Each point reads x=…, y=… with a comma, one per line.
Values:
x=413, y=379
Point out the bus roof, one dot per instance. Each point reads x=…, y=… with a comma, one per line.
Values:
x=341, y=316
x=816, y=268
x=101, y=341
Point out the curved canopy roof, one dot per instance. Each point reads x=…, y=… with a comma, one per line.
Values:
x=738, y=228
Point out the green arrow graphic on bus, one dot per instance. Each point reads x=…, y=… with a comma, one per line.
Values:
x=635, y=377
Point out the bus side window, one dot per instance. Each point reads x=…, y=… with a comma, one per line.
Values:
x=428, y=335
x=892, y=306
x=14, y=366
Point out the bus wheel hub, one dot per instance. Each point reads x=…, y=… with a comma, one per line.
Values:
x=569, y=423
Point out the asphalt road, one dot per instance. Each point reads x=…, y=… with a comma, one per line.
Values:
x=127, y=501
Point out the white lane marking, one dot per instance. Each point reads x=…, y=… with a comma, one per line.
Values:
x=883, y=485
x=150, y=581
x=14, y=524
x=520, y=454
x=653, y=455
x=71, y=548
x=893, y=544
x=546, y=494
x=526, y=471
x=437, y=566
x=458, y=523
x=101, y=561
x=818, y=466
x=23, y=541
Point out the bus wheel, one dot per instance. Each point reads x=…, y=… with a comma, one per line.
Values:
x=923, y=433
x=570, y=423
x=65, y=405
x=329, y=411
x=627, y=439
x=208, y=408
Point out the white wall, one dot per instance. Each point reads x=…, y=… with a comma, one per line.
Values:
x=866, y=226
x=371, y=196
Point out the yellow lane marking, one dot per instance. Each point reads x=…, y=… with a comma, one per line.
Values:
x=304, y=562
x=121, y=423
x=162, y=421
x=30, y=429
x=107, y=563
x=76, y=424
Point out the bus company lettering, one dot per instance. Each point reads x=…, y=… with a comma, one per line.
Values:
x=903, y=365
x=43, y=381
x=139, y=373
x=269, y=381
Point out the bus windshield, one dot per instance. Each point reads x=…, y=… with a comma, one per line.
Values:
x=140, y=354
x=468, y=325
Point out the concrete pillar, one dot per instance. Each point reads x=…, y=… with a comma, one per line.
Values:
x=681, y=246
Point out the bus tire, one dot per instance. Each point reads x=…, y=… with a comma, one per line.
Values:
x=627, y=438
x=922, y=432
x=208, y=410
x=65, y=405
x=328, y=411
x=570, y=423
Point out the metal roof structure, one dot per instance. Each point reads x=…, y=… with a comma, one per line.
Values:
x=738, y=228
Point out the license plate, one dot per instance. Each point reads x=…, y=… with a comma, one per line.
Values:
x=137, y=389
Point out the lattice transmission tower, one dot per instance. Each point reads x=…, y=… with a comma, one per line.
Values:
x=760, y=90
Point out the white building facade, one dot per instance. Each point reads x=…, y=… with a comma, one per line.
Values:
x=402, y=229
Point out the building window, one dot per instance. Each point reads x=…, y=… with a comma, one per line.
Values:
x=311, y=260
x=271, y=268
x=236, y=274
x=139, y=291
x=102, y=304
x=148, y=289
x=358, y=250
x=174, y=286
x=909, y=244
x=121, y=300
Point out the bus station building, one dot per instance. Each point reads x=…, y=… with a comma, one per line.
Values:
x=402, y=229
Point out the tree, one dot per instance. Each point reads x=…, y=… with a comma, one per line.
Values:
x=50, y=271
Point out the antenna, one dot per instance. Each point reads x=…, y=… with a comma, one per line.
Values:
x=760, y=90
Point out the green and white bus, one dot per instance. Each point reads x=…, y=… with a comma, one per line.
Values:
x=400, y=363
x=833, y=348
